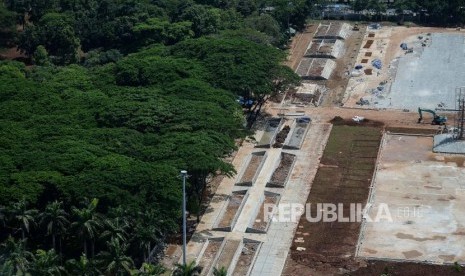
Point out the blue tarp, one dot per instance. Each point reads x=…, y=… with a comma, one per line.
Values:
x=404, y=46
x=244, y=102
x=377, y=64
x=304, y=119
x=358, y=67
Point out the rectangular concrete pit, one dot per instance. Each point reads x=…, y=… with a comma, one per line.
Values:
x=283, y=171
x=297, y=136
x=229, y=255
x=246, y=258
x=272, y=127
x=260, y=223
x=425, y=195
x=251, y=168
x=210, y=254
x=231, y=211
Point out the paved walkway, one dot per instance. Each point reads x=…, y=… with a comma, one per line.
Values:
x=274, y=251
x=276, y=243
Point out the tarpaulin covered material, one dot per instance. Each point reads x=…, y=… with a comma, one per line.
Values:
x=404, y=46
x=377, y=64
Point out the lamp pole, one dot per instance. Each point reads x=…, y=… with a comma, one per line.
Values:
x=184, y=175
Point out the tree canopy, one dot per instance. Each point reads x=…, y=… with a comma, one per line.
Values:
x=97, y=125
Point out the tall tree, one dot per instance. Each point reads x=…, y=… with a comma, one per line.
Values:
x=147, y=232
x=55, y=32
x=204, y=20
x=83, y=266
x=22, y=217
x=55, y=220
x=115, y=228
x=14, y=258
x=401, y=6
x=114, y=261
x=88, y=224
x=46, y=263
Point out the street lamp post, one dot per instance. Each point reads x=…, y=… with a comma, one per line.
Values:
x=184, y=175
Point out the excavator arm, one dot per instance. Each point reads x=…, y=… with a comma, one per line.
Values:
x=437, y=120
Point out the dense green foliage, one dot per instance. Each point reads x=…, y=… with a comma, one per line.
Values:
x=121, y=96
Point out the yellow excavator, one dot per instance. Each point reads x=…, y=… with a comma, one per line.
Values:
x=437, y=120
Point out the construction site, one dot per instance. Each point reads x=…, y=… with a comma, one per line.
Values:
x=377, y=121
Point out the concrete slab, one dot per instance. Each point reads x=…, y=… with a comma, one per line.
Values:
x=428, y=77
x=425, y=196
x=446, y=143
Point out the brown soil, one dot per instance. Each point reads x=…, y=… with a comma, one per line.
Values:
x=405, y=269
x=339, y=121
x=282, y=171
x=209, y=255
x=227, y=253
x=245, y=259
x=368, y=54
x=411, y=130
x=338, y=82
x=260, y=221
x=349, y=160
x=371, y=35
x=13, y=54
x=233, y=205
x=252, y=168
x=364, y=60
x=368, y=71
x=281, y=137
x=299, y=46
x=368, y=44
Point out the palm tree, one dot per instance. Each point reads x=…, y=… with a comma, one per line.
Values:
x=220, y=272
x=83, y=267
x=190, y=269
x=146, y=232
x=115, y=229
x=55, y=219
x=149, y=270
x=3, y=211
x=15, y=259
x=23, y=217
x=46, y=263
x=87, y=223
x=144, y=236
x=114, y=261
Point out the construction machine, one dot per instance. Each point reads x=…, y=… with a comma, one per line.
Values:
x=437, y=120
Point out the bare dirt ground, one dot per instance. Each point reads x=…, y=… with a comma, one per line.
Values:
x=299, y=46
x=227, y=254
x=252, y=168
x=385, y=45
x=330, y=251
x=338, y=82
x=260, y=221
x=391, y=118
x=282, y=171
x=245, y=259
x=233, y=205
x=209, y=255
x=344, y=176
